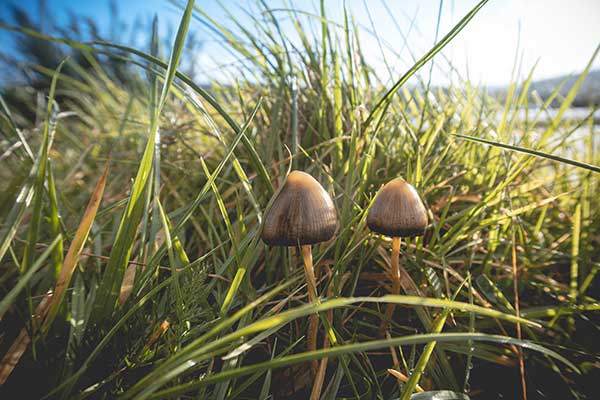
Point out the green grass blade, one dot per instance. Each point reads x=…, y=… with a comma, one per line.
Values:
x=197, y=350
x=241, y=271
x=149, y=380
x=173, y=262
x=15, y=128
x=536, y=153
x=109, y=288
x=354, y=348
x=576, y=236
x=38, y=186
x=423, y=361
x=57, y=256
x=384, y=102
x=255, y=158
x=119, y=324
x=9, y=298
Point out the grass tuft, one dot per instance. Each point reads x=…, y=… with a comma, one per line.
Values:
x=166, y=289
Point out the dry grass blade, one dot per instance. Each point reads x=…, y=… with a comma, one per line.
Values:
x=128, y=280
x=162, y=328
x=48, y=306
x=77, y=246
x=14, y=353
x=403, y=378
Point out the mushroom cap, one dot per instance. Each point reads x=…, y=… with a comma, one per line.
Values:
x=302, y=213
x=398, y=211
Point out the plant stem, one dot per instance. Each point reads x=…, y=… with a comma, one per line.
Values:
x=311, y=282
x=395, y=272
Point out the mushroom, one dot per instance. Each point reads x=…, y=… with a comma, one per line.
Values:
x=302, y=214
x=397, y=212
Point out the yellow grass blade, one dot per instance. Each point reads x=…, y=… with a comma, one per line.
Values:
x=77, y=246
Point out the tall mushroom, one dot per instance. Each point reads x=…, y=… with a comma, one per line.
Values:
x=397, y=212
x=302, y=214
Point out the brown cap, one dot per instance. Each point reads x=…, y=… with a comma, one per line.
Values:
x=397, y=211
x=302, y=213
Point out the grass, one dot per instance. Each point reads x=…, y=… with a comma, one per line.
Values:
x=166, y=289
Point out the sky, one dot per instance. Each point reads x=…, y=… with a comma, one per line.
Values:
x=559, y=35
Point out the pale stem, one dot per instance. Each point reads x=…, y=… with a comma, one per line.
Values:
x=309, y=272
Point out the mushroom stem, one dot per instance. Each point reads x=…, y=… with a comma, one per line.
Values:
x=311, y=282
x=309, y=272
x=395, y=272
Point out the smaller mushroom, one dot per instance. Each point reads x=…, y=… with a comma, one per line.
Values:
x=397, y=212
x=302, y=214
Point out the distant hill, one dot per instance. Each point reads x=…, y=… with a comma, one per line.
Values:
x=589, y=93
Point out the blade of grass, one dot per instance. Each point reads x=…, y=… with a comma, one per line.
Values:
x=57, y=256
x=15, y=128
x=76, y=247
x=165, y=367
x=574, y=284
x=385, y=101
x=241, y=271
x=254, y=157
x=9, y=298
x=536, y=153
x=66, y=385
x=153, y=188
x=517, y=307
x=108, y=291
x=423, y=361
x=37, y=189
x=172, y=261
x=16, y=351
x=354, y=348
x=178, y=364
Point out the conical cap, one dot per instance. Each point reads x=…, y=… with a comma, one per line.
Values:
x=302, y=213
x=397, y=211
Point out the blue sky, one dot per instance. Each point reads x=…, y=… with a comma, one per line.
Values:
x=560, y=35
